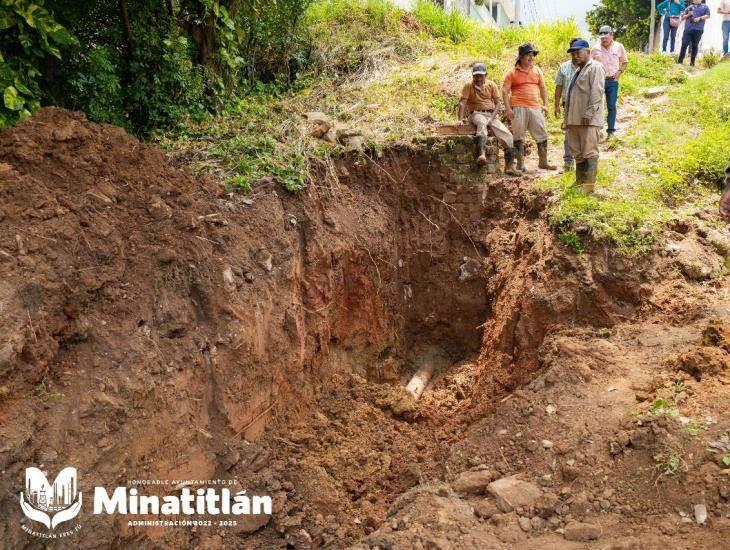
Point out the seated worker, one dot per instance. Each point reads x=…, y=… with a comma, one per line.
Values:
x=481, y=102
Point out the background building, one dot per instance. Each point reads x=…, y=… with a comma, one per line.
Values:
x=492, y=12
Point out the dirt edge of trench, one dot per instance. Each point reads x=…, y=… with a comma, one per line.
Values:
x=189, y=332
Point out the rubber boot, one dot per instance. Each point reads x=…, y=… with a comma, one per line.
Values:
x=520, y=155
x=509, y=162
x=581, y=168
x=591, y=173
x=482, y=144
x=542, y=152
x=568, y=166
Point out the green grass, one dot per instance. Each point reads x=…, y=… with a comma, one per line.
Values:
x=673, y=159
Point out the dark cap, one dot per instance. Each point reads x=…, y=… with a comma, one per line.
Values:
x=525, y=49
x=479, y=68
x=579, y=44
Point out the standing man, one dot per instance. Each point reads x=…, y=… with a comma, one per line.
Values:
x=562, y=81
x=724, y=10
x=526, y=105
x=694, y=27
x=480, y=102
x=612, y=55
x=671, y=10
x=584, y=114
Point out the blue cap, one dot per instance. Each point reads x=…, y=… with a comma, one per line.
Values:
x=579, y=44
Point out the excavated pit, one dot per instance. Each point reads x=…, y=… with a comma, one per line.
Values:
x=195, y=333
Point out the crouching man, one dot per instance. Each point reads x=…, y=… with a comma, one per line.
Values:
x=584, y=114
x=480, y=104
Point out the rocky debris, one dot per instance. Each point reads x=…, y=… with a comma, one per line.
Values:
x=472, y=483
x=716, y=333
x=511, y=493
x=546, y=505
x=702, y=361
x=654, y=91
x=351, y=138
x=700, y=511
x=696, y=262
x=719, y=242
x=582, y=532
x=485, y=509
x=321, y=124
x=264, y=258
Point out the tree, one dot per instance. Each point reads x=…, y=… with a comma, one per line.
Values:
x=629, y=18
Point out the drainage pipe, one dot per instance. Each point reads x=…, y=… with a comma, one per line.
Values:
x=420, y=380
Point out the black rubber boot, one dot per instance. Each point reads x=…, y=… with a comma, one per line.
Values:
x=591, y=174
x=520, y=155
x=509, y=162
x=482, y=145
x=542, y=152
x=580, y=172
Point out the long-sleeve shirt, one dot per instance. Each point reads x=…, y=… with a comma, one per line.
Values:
x=670, y=8
x=585, y=96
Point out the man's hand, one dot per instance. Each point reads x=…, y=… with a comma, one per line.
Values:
x=585, y=121
x=545, y=110
x=696, y=20
x=557, y=111
x=508, y=113
x=460, y=122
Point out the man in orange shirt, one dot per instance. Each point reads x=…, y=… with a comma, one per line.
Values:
x=526, y=104
x=480, y=101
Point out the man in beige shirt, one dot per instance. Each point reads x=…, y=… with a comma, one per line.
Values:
x=584, y=114
x=480, y=104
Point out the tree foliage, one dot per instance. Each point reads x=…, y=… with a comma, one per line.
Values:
x=28, y=35
x=629, y=18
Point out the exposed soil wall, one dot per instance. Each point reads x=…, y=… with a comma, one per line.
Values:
x=152, y=323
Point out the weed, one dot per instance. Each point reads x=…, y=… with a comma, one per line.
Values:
x=54, y=396
x=710, y=58
x=668, y=462
x=726, y=459
x=662, y=407
x=572, y=240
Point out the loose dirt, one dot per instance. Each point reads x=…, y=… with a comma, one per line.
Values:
x=154, y=326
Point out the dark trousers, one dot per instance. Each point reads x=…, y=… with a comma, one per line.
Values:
x=669, y=32
x=725, y=36
x=690, y=39
x=611, y=100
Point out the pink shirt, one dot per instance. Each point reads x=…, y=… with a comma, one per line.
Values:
x=725, y=6
x=611, y=57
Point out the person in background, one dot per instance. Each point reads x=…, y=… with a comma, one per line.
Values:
x=480, y=102
x=694, y=16
x=562, y=82
x=612, y=55
x=584, y=114
x=526, y=105
x=724, y=10
x=671, y=10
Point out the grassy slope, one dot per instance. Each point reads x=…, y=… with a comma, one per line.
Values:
x=379, y=70
x=667, y=166
x=391, y=74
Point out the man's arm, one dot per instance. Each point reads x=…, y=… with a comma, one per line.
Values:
x=462, y=110
x=506, y=89
x=597, y=91
x=544, y=96
x=558, y=99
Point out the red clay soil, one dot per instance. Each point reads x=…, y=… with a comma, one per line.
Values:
x=155, y=326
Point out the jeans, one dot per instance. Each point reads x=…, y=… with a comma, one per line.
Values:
x=690, y=39
x=725, y=36
x=611, y=100
x=669, y=31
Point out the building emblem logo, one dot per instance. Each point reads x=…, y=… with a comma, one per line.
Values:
x=49, y=504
